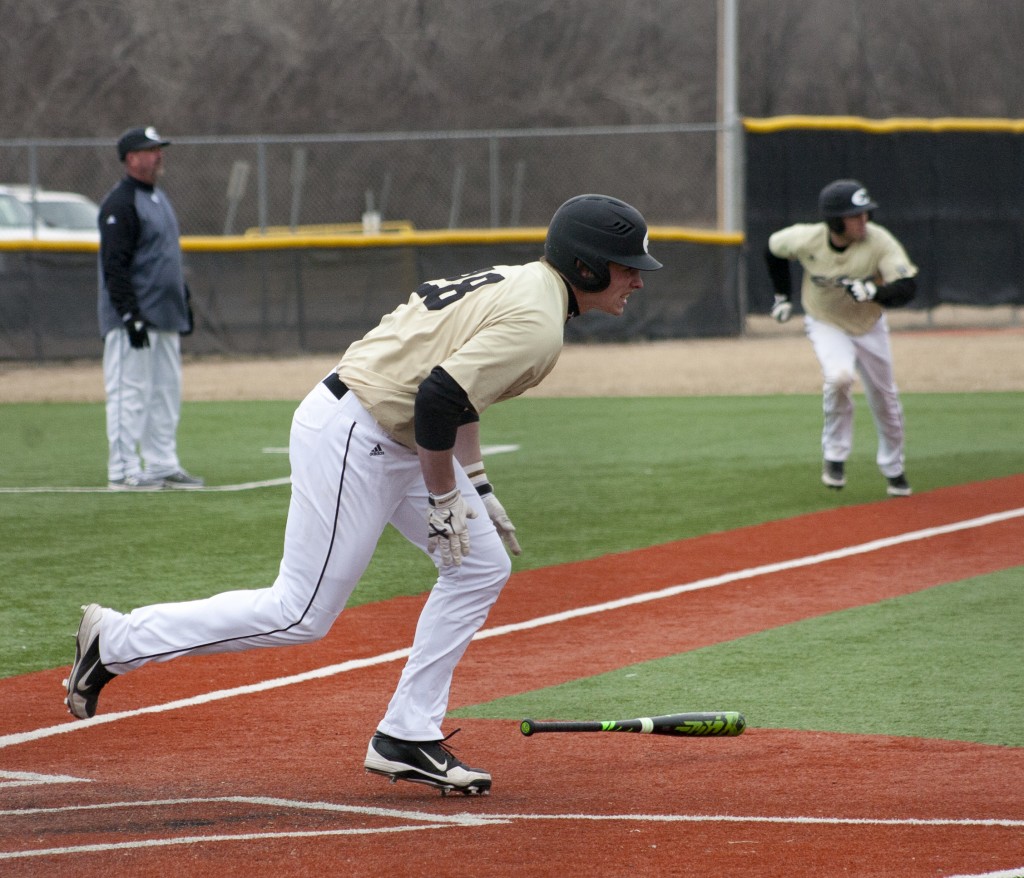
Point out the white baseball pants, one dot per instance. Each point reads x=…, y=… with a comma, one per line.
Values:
x=842, y=358
x=349, y=480
x=143, y=389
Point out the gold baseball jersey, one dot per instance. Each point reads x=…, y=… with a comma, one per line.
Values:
x=879, y=257
x=497, y=332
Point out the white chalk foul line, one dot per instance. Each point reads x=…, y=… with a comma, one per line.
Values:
x=463, y=819
x=420, y=820
x=205, y=698
x=206, y=839
x=486, y=450
x=31, y=779
x=206, y=489
x=754, y=572
x=760, y=818
x=1003, y=873
x=416, y=821
x=529, y=624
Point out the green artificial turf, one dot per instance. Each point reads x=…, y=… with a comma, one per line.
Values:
x=590, y=477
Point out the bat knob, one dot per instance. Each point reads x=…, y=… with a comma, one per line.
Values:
x=526, y=727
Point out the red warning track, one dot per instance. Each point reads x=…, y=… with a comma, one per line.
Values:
x=271, y=782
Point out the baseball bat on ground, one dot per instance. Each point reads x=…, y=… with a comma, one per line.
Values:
x=716, y=724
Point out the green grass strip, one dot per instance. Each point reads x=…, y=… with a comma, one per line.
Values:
x=591, y=477
x=941, y=663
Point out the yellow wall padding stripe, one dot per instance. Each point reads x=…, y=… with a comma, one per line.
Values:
x=439, y=238
x=882, y=126
x=450, y=237
x=54, y=246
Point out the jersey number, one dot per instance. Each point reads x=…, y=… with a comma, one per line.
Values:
x=436, y=295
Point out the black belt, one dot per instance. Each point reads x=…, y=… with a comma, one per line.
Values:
x=334, y=384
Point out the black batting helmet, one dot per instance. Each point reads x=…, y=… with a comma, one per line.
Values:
x=844, y=198
x=596, y=230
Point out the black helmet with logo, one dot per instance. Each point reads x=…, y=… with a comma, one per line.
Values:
x=844, y=198
x=596, y=230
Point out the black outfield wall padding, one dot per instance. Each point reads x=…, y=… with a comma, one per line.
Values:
x=288, y=295
x=952, y=191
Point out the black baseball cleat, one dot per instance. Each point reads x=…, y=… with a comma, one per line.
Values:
x=88, y=673
x=833, y=474
x=898, y=486
x=427, y=762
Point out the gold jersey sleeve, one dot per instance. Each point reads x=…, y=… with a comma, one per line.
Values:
x=879, y=257
x=497, y=332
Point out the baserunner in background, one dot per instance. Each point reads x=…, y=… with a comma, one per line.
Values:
x=853, y=269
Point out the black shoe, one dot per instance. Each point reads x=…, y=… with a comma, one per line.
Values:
x=182, y=479
x=899, y=486
x=833, y=474
x=426, y=762
x=88, y=674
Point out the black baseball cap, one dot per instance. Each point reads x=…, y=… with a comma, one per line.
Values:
x=135, y=139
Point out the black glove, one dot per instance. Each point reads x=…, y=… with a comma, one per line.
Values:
x=191, y=317
x=138, y=338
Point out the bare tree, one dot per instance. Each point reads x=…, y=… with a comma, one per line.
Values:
x=90, y=68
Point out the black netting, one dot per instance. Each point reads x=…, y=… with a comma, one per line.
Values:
x=953, y=198
x=319, y=299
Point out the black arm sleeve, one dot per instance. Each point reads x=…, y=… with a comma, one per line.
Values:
x=778, y=270
x=442, y=406
x=897, y=294
x=119, y=232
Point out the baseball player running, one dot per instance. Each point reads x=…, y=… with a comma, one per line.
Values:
x=852, y=270
x=392, y=436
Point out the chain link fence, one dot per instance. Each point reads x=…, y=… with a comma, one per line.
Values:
x=432, y=182
x=269, y=291
x=428, y=179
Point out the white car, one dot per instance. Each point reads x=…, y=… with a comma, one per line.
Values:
x=15, y=218
x=60, y=216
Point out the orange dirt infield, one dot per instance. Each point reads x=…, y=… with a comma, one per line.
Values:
x=270, y=782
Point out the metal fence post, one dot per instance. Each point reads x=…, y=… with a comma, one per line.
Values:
x=493, y=164
x=33, y=181
x=261, y=184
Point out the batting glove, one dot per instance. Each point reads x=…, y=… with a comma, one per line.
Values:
x=782, y=310
x=502, y=523
x=446, y=524
x=138, y=338
x=861, y=290
x=496, y=512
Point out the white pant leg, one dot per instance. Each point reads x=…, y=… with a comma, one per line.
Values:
x=837, y=355
x=158, y=442
x=874, y=364
x=126, y=380
x=455, y=610
x=342, y=498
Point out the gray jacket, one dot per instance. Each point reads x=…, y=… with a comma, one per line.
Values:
x=140, y=263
